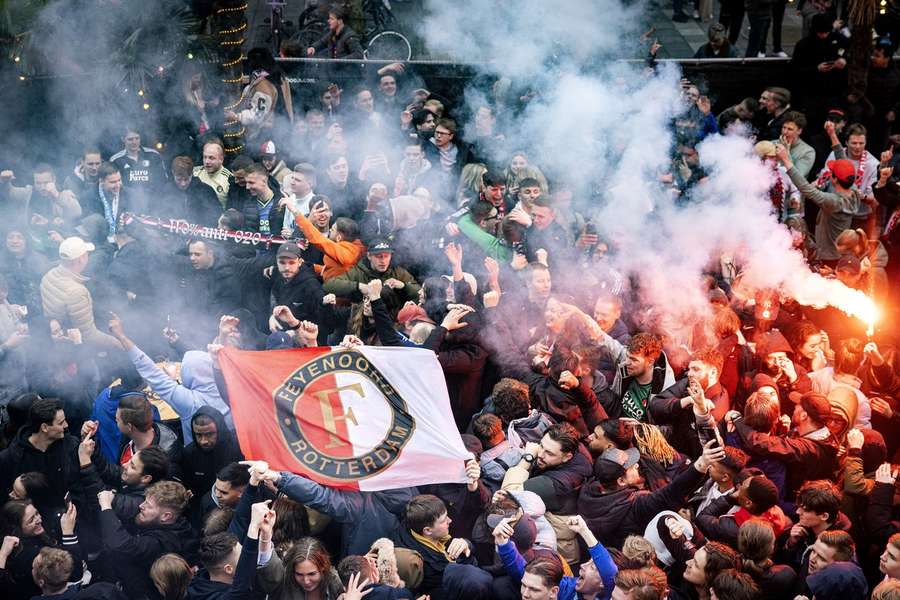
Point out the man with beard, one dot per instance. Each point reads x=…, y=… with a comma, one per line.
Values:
x=296, y=286
x=554, y=469
x=214, y=447
x=675, y=404
x=399, y=285
x=129, y=549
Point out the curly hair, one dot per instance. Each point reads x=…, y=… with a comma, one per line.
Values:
x=647, y=345
x=511, y=399
x=638, y=549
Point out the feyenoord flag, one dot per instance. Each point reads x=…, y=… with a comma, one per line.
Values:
x=368, y=418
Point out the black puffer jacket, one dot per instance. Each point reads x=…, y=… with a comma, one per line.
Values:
x=615, y=515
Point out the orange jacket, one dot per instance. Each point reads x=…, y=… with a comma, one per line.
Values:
x=339, y=256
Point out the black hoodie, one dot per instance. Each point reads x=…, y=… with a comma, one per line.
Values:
x=199, y=467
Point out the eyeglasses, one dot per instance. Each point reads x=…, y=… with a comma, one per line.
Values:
x=436, y=132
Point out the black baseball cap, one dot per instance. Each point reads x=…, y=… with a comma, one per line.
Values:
x=289, y=249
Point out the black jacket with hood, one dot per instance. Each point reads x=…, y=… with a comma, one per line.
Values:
x=614, y=515
x=198, y=466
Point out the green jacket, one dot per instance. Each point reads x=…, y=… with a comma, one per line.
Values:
x=488, y=243
x=347, y=285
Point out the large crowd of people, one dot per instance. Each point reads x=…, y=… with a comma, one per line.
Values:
x=619, y=452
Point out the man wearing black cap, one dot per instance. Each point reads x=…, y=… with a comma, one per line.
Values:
x=809, y=451
x=296, y=285
x=615, y=507
x=399, y=285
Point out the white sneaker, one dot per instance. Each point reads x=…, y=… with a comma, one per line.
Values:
x=761, y=55
x=781, y=54
x=696, y=15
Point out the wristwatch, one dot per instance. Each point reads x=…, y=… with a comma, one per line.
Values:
x=528, y=457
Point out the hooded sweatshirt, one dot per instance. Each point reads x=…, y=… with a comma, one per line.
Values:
x=200, y=466
x=198, y=387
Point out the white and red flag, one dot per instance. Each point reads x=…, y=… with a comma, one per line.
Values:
x=368, y=418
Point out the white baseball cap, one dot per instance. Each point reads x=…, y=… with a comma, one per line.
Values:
x=74, y=247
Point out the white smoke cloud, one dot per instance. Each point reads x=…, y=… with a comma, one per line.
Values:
x=597, y=120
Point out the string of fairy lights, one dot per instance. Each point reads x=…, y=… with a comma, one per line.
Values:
x=226, y=40
x=232, y=38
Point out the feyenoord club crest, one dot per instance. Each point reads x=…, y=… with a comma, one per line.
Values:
x=315, y=413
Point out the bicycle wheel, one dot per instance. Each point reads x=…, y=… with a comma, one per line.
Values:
x=388, y=45
x=311, y=33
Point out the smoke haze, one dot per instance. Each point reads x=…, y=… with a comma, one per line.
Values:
x=598, y=123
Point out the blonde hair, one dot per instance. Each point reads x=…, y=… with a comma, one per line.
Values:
x=470, y=181
x=638, y=549
x=889, y=589
x=855, y=239
x=651, y=442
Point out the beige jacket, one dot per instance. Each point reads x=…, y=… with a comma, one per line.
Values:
x=566, y=542
x=66, y=299
x=65, y=206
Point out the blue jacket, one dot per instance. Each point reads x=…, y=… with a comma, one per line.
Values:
x=515, y=568
x=107, y=431
x=364, y=516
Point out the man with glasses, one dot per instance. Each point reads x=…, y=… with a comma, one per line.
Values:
x=445, y=152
